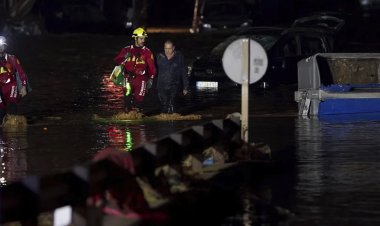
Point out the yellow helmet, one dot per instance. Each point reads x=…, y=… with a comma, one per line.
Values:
x=139, y=32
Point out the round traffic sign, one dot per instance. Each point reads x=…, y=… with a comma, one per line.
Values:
x=233, y=61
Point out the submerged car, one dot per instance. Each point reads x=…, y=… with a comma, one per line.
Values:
x=284, y=48
x=346, y=27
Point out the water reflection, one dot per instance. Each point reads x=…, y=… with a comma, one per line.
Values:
x=13, y=161
x=338, y=170
x=126, y=137
x=336, y=160
x=111, y=96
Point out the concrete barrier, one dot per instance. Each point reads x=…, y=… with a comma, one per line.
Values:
x=158, y=167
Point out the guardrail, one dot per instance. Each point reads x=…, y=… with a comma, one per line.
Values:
x=81, y=187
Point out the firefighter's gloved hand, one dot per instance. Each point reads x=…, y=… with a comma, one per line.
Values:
x=149, y=83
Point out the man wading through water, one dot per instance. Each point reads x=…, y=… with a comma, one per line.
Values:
x=172, y=77
x=13, y=83
x=137, y=63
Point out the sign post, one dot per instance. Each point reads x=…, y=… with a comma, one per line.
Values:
x=245, y=91
x=245, y=62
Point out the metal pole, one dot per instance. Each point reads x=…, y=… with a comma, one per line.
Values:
x=194, y=24
x=245, y=91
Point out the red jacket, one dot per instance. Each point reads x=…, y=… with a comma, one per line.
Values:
x=139, y=61
x=10, y=67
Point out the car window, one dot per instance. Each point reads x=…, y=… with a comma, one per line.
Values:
x=219, y=49
x=311, y=45
x=289, y=48
x=266, y=41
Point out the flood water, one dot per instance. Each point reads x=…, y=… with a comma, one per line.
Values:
x=330, y=172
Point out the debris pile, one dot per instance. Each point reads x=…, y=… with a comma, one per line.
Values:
x=176, y=116
x=132, y=115
x=14, y=122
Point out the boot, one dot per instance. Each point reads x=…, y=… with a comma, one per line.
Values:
x=2, y=115
x=128, y=103
x=171, y=109
x=138, y=107
x=12, y=109
x=164, y=109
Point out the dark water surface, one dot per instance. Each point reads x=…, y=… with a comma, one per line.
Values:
x=330, y=173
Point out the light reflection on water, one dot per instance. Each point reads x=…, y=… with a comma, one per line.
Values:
x=329, y=168
x=126, y=137
x=336, y=162
x=335, y=179
x=338, y=171
x=111, y=96
x=13, y=160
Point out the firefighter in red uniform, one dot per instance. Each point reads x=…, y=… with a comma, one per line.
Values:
x=13, y=81
x=139, y=70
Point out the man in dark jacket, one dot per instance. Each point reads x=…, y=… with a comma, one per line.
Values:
x=172, y=77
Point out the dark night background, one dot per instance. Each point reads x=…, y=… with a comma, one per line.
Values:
x=111, y=15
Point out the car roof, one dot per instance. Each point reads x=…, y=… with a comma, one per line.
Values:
x=333, y=23
x=280, y=31
x=248, y=32
x=260, y=30
x=338, y=14
x=222, y=1
x=309, y=30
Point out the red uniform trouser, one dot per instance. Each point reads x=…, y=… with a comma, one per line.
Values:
x=138, y=90
x=8, y=94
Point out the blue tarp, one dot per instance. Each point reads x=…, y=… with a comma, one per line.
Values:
x=341, y=88
x=349, y=106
